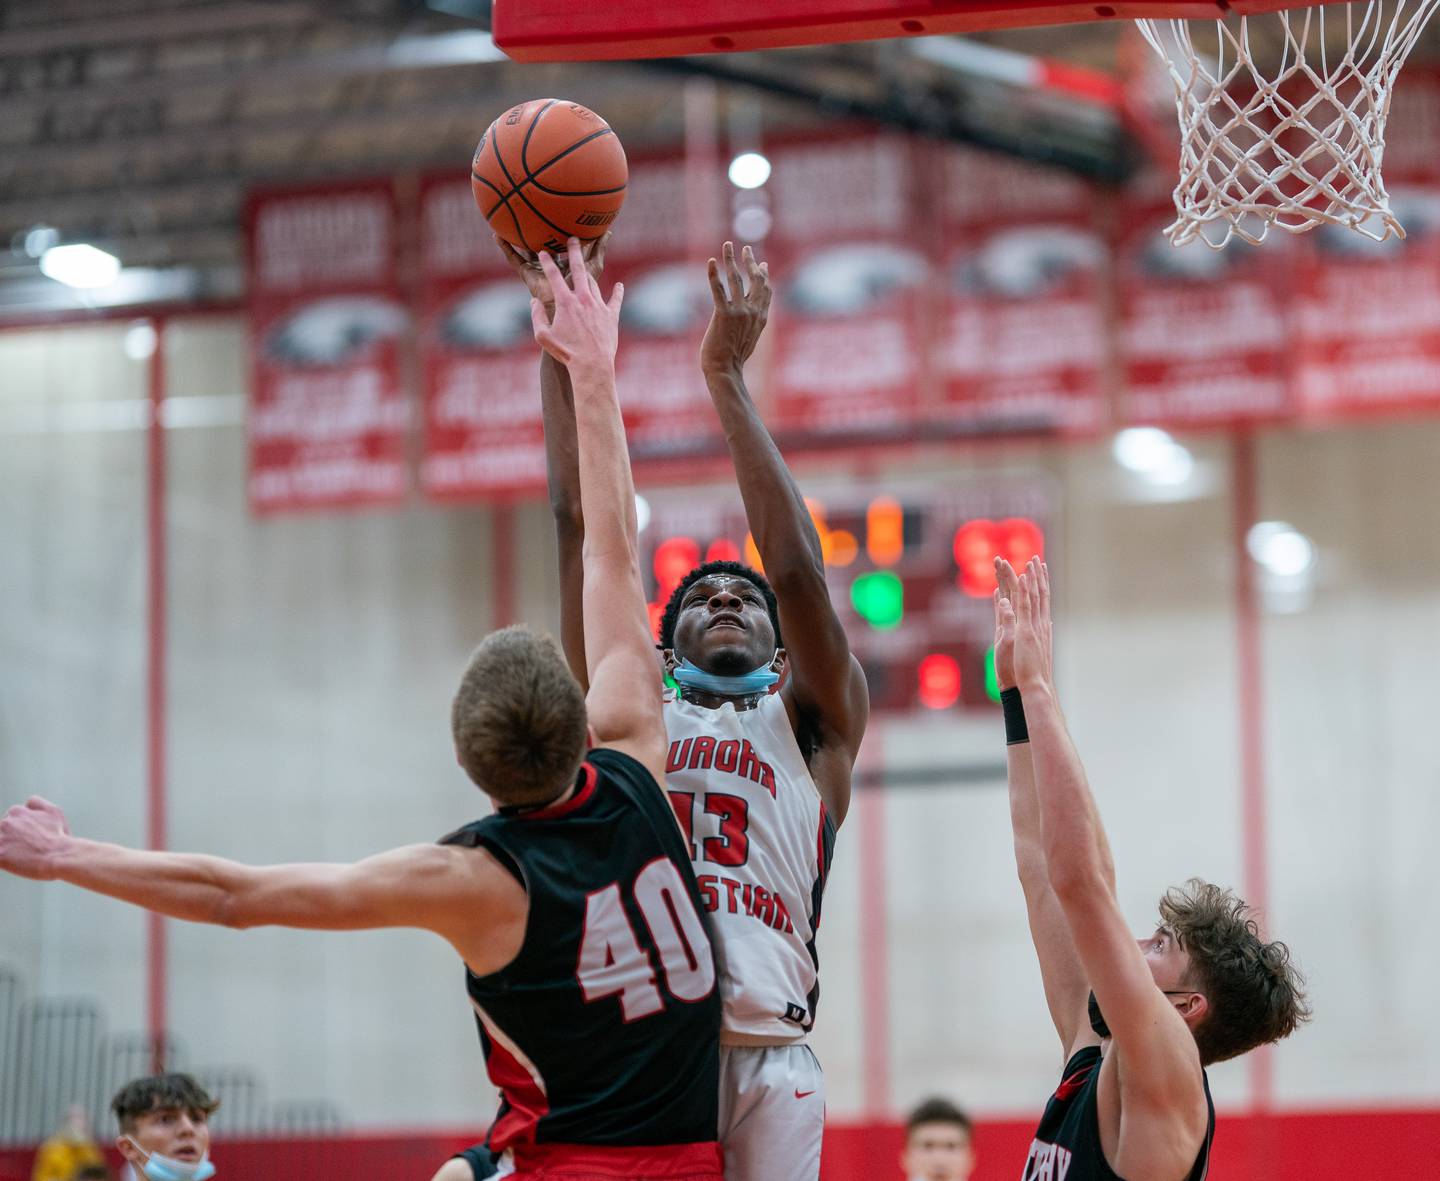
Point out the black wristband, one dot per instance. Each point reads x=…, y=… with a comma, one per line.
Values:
x=1015, y=731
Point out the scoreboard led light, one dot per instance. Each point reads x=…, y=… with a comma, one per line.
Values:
x=939, y=681
x=910, y=569
x=879, y=599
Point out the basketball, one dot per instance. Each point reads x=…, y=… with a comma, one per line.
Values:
x=546, y=170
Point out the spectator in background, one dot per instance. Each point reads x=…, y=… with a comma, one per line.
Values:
x=69, y=1150
x=165, y=1128
x=938, y=1143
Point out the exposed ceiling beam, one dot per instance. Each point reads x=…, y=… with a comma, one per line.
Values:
x=132, y=28
x=440, y=50
x=172, y=141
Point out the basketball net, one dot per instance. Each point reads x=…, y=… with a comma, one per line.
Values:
x=1283, y=124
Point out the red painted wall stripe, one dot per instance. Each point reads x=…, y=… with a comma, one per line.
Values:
x=1250, y=695
x=156, y=813
x=874, y=924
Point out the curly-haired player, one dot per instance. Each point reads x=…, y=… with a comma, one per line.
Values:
x=762, y=735
x=1139, y=1019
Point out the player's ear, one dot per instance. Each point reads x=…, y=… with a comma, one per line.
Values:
x=126, y=1148
x=668, y=659
x=1192, y=1006
x=777, y=666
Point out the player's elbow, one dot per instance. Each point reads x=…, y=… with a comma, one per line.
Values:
x=231, y=911
x=1075, y=878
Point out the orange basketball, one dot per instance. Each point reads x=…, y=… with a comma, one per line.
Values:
x=546, y=170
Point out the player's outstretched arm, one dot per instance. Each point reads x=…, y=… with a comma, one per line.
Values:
x=1061, y=972
x=623, y=707
x=1162, y=1090
x=826, y=690
x=445, y=889
x=562, y=460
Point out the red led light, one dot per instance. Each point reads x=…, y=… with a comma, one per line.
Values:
x=674, y=558
x=979, y=542
x=939, y=681
x=722, y=549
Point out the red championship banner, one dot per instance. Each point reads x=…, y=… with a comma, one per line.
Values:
x=1021, y=331
x=849, y=325
x=328, y=412
x=480, y=366
x=1368, y=313
x=1205, y=336
x=667, y=307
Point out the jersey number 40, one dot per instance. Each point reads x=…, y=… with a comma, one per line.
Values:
x=612, y=960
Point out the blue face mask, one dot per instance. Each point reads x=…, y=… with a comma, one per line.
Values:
x=162, y=1168
x=746, y=685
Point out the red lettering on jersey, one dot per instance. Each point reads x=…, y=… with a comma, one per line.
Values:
x=764, y=907
x=767, y=779
x=678, y=753
x=709, y=895
x=745, y=899
x=727, y=755
x=781, y=921
x=730, y=887
x=703, y=753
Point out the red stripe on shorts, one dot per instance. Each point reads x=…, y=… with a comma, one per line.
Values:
x=594, y=1162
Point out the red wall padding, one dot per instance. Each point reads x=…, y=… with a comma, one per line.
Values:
x=1323, y=1146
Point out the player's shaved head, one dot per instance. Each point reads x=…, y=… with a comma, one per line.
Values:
x=519, y=719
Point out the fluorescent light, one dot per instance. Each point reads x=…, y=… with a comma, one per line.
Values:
x=80, y=265
x=41, y=238
x=749, y=170
x=140, y=340
x=752, y=223
x=1153, y=455
x=1281, y=548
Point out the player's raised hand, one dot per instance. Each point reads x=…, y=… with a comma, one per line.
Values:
x=1033, y=633
x=739, y=315
x=585, y=329
x=1006, y=589
x=527, y=266
x=31, y=835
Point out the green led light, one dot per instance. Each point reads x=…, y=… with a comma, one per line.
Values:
x=992, y=682
x=879, y=599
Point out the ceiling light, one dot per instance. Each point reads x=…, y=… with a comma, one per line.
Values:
x=1281, y=548
x=749, y=170
x=80, y=265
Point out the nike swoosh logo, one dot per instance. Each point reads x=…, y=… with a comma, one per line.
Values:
x=799, y=1094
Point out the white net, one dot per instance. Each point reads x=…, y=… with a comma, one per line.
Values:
x=1282, y=117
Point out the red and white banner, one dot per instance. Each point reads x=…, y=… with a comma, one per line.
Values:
x=1367, y=316
x=851, y=319
x=667, y=307
x=1204, y=334
x=328, y=413
x=1022, y=336
x=480, y=366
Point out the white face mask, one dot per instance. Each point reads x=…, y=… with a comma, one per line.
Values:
x=164, y=1168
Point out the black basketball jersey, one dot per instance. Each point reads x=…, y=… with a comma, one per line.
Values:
x=1067, y=1143
x=604, y=1029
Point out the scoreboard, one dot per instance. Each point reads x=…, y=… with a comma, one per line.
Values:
x=909, y=568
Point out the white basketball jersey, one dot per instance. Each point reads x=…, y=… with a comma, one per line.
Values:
x=760, y=840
